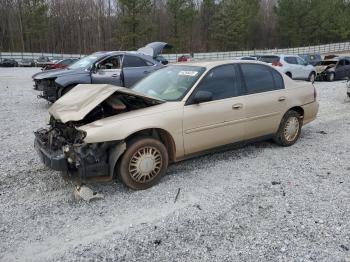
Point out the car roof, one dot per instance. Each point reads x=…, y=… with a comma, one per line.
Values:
x=212, y=64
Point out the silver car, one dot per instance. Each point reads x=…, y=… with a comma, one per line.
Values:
x=120, y=68
x=292, y=65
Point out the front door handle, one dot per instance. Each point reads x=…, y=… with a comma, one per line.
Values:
x=281, y=99
x=237, y=106
x=115, y=75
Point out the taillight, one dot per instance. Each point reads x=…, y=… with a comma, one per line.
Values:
x=277, y=63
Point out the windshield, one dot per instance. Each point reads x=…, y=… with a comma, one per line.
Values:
x=85, y=62
x=170, y=83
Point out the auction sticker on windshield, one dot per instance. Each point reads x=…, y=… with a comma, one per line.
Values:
x=188, y=73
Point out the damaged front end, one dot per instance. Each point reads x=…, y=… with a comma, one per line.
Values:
x=48, y=87
x=63, y=145
x=62, y=148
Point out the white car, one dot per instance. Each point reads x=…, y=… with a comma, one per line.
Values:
x=292, y=65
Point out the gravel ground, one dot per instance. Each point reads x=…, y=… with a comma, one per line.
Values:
x=257, y=203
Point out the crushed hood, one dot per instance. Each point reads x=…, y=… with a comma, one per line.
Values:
x=83, y=98
x=321, y=68
x=154, y=49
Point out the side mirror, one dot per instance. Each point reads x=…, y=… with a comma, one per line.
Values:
x=202, y=96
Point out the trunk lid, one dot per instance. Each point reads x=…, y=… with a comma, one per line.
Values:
x=83, y=98
x=154, y=49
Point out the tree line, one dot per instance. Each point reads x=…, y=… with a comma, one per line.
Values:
x=85, y=26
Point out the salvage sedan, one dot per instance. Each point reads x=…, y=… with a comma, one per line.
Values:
x=104, y=131
x=120, y=68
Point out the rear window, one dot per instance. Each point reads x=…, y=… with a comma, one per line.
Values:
x=269, y=59
x=133, y=61
x=259, y=78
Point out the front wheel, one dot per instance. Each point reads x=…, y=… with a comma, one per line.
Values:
x=143, y=164
x=331, y=77
x=312, y=77
x=289, y=130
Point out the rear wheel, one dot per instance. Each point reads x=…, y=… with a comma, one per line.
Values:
x=289, y=130
x=143, y=163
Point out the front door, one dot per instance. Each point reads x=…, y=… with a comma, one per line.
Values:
x=220, y=121
x=108, y=71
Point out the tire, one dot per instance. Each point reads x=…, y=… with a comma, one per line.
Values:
x=285, y=136
x=331, y=77
x=312, y=77
x=144, y=153
x=65, y=90
x=289, y=74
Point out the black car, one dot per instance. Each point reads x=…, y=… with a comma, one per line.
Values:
x=337, y=68
x=8, y=63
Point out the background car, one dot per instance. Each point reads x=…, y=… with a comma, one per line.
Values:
x=293, y=66
x=43, y=61
x=348, y=87
x=177, y=112
x=247, y=58
x=61, y=64
x=333, y=69
x=120, y=68
x=185, y=58
x=26, y=62
x=312, y=59
x=8, y=63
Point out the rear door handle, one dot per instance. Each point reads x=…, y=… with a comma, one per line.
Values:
x=281, y=99
x=115, y=75
x=237, y=106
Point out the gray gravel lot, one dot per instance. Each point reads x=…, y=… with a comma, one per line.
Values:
x=257, y=203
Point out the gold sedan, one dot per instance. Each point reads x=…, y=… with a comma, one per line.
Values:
x=104, y=131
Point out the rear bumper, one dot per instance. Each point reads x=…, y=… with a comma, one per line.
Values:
x=310, y=112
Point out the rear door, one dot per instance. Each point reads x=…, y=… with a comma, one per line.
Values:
x=108, y=71
x=135, y=68
x=217, y=122
x=265, y=99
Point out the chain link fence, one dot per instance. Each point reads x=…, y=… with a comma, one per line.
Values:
x=321, y=49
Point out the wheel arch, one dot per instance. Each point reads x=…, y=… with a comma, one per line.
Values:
x=160, y=134
x=297, y=109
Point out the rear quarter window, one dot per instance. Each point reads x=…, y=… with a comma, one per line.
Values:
x=260, y=78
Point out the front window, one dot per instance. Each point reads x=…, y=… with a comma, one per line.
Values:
x=85, y=62
x=170, y=83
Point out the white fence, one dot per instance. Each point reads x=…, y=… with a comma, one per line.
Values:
x=322, y=49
